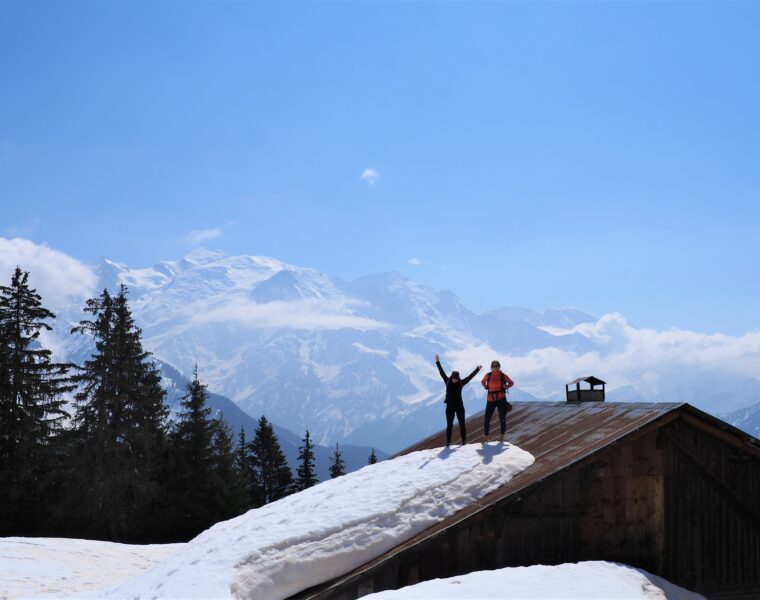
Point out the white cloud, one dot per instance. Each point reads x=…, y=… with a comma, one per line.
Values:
x=58, y=278
x=657, y=364
x=371, y=176
x=199, y=236
x=310, y=313
x=415, y=262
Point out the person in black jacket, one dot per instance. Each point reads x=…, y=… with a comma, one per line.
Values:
x=454, y=404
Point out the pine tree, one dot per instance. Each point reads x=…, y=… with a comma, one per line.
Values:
x=193, y=481
x=232, y=496
x=372, y=457
x=94, y=488
x=119, y=436
x=271, y=478
x=337, y=466
x=244, y=470
x=241, y=454
x=305, y=471
x=31, y=406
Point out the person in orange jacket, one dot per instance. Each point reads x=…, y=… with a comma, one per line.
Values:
x=496, y=383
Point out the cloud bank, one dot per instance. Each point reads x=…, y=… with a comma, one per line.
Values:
x=58, y=278
x=310, y=313
x=654, y=363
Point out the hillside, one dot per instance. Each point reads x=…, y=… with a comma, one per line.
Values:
x=746, y=419
x=355, y=457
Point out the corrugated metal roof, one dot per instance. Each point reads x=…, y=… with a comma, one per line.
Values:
x=558, y=430
x=558, y=434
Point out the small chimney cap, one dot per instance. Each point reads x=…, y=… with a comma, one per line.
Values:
x=590, y=379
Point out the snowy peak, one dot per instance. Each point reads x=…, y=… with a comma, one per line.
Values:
x=394, y=298
x=211, y=271
x=291, y=284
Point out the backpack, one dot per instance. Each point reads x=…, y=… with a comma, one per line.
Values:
x=503, y=387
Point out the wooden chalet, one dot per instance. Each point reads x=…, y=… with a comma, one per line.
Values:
x=664, y=487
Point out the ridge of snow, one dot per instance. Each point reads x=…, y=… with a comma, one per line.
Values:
x=590, y=580
x=315, y=535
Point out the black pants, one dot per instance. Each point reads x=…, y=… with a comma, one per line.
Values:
x=458, y=410
x=492, y=406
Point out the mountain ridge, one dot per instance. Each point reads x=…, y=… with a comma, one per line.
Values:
x=353, y=360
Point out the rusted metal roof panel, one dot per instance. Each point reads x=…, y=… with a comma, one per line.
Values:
x=558, y=434
x=555, y=432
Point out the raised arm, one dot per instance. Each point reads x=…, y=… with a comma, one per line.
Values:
x=467, y=379
x=441, y=371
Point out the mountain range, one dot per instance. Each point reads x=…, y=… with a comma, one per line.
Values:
x=352, y=361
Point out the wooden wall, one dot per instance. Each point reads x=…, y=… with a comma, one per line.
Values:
x=712, y=525
x=638, y=503
x=623, y=505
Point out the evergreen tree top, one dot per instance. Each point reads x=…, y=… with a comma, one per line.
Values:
x=306, y=476
x=31, y=384
x=337, y=465
x=271, y=475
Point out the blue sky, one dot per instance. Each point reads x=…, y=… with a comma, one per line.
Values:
x=600, y=155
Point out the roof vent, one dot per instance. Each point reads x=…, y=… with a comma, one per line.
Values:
x=585, y=395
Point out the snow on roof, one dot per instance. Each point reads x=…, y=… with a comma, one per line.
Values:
x=593, y=580
x=315, y=535
x=294, y=543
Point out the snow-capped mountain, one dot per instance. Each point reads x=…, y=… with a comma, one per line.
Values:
x=353, y=361
x=350, y=361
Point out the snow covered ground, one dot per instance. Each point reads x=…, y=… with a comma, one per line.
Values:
x=62, y=568
x=593, y=580
x=279, y=549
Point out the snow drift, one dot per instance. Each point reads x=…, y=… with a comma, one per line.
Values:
x=593, y=580
x=315, y=535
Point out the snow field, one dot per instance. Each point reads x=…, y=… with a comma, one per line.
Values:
x=593, y=580
x=64, y=568
x=320, y=533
